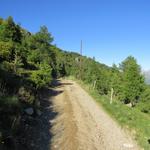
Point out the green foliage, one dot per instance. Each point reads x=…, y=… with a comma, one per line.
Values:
x=144, y=104
x=29, y=62
x=133, y=81
x=43, y=36
x=10, y=109
x=1, y=21
x=85, y=69
x=115, y=81
x=6, y=50
x=41, y=77
x=34, y=56
x=9, y=31
x=26, y=62
x=9, y=104
x=17, y=63
x=8, y=66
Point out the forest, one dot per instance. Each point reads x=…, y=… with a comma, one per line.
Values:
x=29, y=62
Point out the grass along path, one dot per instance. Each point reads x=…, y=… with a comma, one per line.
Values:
x=131, y=119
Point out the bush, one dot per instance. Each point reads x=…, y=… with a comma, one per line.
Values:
x=10, y=109
x=41, y=77
x=5, y=65
x=9, y=104
x=26, y=95
x=144, y=104
x=5, y=50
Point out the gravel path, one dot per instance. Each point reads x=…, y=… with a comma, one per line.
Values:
x=81, y=124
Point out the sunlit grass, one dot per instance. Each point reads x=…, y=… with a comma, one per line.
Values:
x=133, y=119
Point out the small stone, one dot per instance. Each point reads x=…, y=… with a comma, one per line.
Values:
x=127, y=145
x=52, y=121
x=129, y=105
x=29, y=111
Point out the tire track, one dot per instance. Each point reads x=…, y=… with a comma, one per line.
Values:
x=83, y=125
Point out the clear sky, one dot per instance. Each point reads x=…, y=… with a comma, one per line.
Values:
x=110, y=29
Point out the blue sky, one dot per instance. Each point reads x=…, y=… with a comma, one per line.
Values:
x=111, y=30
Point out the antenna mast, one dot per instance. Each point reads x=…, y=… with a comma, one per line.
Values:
x=81, y=48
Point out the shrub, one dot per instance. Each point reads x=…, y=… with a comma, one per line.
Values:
x=144, y=103
x=26, y=95
x=41, y=77
x=5, y=50
x=9, y=104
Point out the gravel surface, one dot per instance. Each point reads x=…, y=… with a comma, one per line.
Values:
x=81, y=124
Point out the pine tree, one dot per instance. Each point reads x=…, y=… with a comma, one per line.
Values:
x=133, y=81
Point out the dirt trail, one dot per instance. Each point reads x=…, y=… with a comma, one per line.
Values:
x=83, y=125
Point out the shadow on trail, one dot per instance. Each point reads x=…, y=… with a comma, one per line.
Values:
x=58, y=83
x=37, y=130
